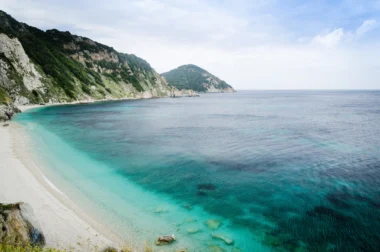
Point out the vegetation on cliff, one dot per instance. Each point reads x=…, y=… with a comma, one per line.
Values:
x=16, y=248
x=195, y=78
x=72, y=67
x=4, y=97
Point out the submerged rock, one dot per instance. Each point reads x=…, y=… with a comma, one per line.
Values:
x=19, y=226
x=339, y=200
x=272, y=240
x=328, y=212
x=300, y=249
x=224, y=238
x=193, y=230
x=206, y=187
x=215, y=248
x=190, y=220
x=166, y=239
x=213, y=224
x=161, y=209
x=201, y=193
x=187, y=206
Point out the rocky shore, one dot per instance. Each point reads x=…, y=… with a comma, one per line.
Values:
x=7, y=111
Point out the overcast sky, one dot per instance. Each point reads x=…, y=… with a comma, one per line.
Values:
x=251, y=44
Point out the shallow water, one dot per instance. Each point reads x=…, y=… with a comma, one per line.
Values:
x=279, y=170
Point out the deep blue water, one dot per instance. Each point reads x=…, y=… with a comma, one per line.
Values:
x=280, y=170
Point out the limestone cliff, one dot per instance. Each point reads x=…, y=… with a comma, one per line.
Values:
x=19, y=226
x=197, y=79
x=52, y=66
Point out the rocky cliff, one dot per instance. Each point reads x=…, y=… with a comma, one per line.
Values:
x=52, y=66
x=19, y=226
x=197, y=79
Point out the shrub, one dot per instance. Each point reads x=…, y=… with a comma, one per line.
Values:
x=89, y=64
x=14, y=248
x=86, y=89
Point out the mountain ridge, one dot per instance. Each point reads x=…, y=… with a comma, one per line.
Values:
x=193, y=77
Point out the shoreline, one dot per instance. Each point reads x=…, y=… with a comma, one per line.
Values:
x=66, y=226
x=24, y=108
x=63, y=223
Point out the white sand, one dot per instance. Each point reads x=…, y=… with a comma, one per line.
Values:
x=26, y=107
x=63, y=224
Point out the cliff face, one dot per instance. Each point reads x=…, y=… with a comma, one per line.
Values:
x=197, y=79
x=18, y=75
x=19, y=227
x=7, y=108
x=55, y=66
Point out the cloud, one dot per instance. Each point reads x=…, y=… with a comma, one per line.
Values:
x=338, y=36
x=367, y=26
x=331, y=39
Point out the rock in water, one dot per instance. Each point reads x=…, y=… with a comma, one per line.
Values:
x=193, y=230
x=166, y=239
x=215, y=248
x=161, y=209
x=19, y=226
x=187, y=206
x=206, y=187
x=272, y=240
x=224, y=238
x=213, y=224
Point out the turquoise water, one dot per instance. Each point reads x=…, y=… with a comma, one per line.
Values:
x=278, y=170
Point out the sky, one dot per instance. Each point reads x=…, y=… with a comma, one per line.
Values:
x=251, y=44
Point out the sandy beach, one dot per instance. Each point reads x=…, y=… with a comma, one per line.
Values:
x=64, y=225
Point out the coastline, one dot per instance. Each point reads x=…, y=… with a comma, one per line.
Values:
x=64, y=225
x=139, y=217
x=24, y=108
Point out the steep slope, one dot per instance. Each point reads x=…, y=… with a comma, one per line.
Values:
x=54, y=66
x=197, y=79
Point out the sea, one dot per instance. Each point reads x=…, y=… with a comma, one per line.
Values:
x=245, y=171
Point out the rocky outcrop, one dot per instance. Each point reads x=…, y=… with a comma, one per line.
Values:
x=164, y=240
x=7, y=112
x=213, y=224
x=197, y=79
x=7, y=108
x=18, y=226
x=14, y=52
x=175, y=93
x=18, y=75
x=227, y=240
